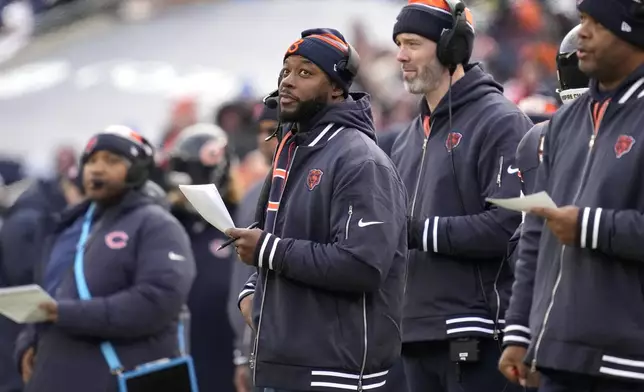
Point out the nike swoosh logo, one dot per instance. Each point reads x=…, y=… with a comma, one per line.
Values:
x=361, y=223
x=512, y=170
x=175, y=257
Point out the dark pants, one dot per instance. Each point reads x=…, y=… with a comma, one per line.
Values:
x=554, y=381
x=429, y=369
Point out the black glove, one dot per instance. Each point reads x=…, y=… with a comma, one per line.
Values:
x=415, y=229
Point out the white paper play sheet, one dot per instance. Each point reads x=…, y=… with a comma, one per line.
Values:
x=21, y=303
x=525, y=204
x=208, y=202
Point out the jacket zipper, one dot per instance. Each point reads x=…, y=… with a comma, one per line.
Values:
x=591, y=143
x=346, y=229
x=255, y=356
x=497, y=327
x=364, y=353
x=420, y=174
x=498, y=273
x=364, y=309
x=498, y=176
x=413, y=203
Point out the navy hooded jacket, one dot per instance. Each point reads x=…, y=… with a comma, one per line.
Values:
x=330, y=285
x=458, y=282
x=139, y=268
x=579, y=307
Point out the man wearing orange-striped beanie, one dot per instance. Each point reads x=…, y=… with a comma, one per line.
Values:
x=456, y=154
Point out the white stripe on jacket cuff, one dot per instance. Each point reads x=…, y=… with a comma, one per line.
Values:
x=267, y=250
x=433, y=223
x=589, y=230
x=516, y=335
x=246, y=291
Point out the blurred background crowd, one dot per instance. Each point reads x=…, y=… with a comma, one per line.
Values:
x=69, y=67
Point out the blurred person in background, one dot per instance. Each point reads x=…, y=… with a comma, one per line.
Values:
x=577, y=301
x=245, y=216
x=33, y=210
x=538, y=108
x=183, y=114
x=202, y=155
x=452, y=157
x=138, y=266
x=12, y=183
x=21, y=243
x=237, y=119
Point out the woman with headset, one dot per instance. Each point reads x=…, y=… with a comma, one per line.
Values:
x=136, y=262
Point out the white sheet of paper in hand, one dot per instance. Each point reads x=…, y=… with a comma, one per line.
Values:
x=536, y=200
x=21, y=303
x=209, y=204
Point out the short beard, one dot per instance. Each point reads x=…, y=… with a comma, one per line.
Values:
x=305, y=110
x=427, y=80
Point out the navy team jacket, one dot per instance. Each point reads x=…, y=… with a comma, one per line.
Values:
x=329, y=291
x=579, y=307
x=459, y=282
x=139, y=268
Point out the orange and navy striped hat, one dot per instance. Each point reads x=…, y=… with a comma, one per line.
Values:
x=326, y=48
x=428, y=18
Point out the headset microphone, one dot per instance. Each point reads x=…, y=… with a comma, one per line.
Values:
x=271, y=103
x=271, y=100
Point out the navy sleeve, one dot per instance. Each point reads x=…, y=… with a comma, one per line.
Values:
x=367, y=219
x=517, y=331
x=164, y=274
x=485, y=235
x=248, y=289
x=20, y=250
x=616, y=233
x=27, y=338
x=513, y=247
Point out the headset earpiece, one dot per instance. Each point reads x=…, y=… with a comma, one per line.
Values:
x=351, y=64
x=140, y=170
x=455, y=44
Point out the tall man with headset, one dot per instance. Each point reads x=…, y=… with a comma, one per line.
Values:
x=455, y=154
x=326, y=302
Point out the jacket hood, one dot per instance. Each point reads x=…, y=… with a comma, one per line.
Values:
x=354, y=112
x=473, y=86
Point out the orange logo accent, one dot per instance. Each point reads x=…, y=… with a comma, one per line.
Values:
x=295, y=46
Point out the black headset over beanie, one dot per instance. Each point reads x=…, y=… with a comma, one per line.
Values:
x=124, y=141
x=449, y=23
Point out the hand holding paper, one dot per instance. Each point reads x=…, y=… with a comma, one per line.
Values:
x=525, y=204
x=22, y=304
x=208, y=202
